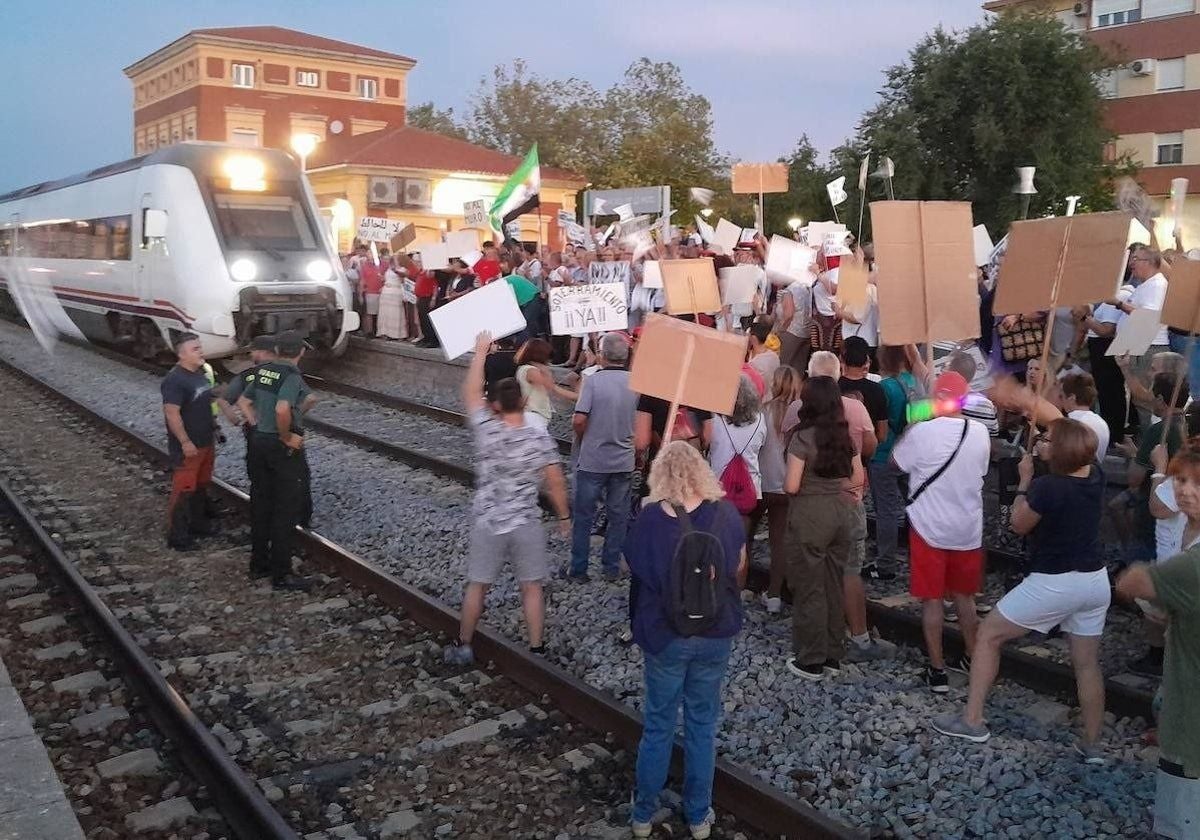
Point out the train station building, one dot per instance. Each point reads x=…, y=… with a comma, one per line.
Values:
x=259, y=86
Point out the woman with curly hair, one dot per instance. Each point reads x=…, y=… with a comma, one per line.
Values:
x=684, y=493
x=823, y=467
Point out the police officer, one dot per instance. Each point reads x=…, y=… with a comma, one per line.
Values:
x=273, y=402
x=262, y=351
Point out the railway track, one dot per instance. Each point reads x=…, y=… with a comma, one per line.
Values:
x=314, y=697
x=894, y=623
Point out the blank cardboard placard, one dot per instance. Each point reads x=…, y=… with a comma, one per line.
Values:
x=728, y=235
x=925, y=258
x=1135, y=333
x=709, y=381
x=983, y=245
x=492, y=308
x=738, y=284
x=690, y=286
x=404, y=238
x=852, y=284
x=435, y=255
x=465, y=241
x=1181, y=309
x=651, y=275
x=760, y=178
x=1091, y=269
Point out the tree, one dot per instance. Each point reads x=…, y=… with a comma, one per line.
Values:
x=441, y=121
x=967, y=108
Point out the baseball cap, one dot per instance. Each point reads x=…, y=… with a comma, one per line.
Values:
x=263, y=342
x=290, y=343
x=950, y=386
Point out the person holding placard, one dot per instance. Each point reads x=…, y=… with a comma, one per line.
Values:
x=1145, y=266
x=512, y=458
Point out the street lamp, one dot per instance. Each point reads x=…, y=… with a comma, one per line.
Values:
x=706, y=212
x=303, y=145
x=795, y=223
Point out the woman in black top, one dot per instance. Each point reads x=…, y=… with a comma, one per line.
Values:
x=1068, y=584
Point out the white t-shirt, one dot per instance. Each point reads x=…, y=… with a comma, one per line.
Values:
x=1096, y=423
x=1151, y=294
x=742, y=310
x=949, y=513
x=1168, y=533
x=728, y=439
x=1106, y=313
x=868, y=329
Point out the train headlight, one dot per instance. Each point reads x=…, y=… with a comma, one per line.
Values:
x=319, y=270
x=245, y=173
x=243, y=270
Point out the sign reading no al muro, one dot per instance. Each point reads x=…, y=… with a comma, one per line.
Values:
x=579, y=310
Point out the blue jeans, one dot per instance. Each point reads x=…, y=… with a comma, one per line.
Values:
x=889, y=510
x=589, y=488
x=1186, y=347
x=688, y=670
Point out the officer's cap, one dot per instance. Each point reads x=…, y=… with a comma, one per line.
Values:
x=263, y=342
x=290, y=343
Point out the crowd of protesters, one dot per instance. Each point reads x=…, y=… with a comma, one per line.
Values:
x=823, y=424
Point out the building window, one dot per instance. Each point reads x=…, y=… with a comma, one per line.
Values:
x=1162, y=8
x=368, y=88
x=1115, y=12
x=1168, y=149
x=243, y=75
x=1170, y=74
x=308, y=78
x=244, y=137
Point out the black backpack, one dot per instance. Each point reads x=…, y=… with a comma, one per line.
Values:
x=698, y=585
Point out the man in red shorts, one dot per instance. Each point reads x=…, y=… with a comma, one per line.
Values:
x=187, y=398
x=946, y=459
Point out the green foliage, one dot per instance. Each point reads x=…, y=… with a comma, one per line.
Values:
x=441, y=121
x=967, y=108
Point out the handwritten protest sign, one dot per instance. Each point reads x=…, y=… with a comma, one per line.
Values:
x=492, y=308
x=579, y=310
x=687, y=364
x=378, y=228
x=475, y=215
x=690, y=286
x=608, y=272
x=565, y=218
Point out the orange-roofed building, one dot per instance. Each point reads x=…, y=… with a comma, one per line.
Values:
x=261, y=85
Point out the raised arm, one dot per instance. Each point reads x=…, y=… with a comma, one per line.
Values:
x=472, y=386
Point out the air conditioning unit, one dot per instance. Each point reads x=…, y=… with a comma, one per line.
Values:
x=1142, y=67
x=383, y=191
x=418, y=192
x=1082, y=10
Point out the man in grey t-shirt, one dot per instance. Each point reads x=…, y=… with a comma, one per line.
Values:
x=603, y=423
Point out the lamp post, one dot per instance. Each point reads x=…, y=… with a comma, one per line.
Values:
x=795, y=223
x=303, y=145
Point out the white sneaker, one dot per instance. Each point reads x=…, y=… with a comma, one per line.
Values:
x=641, y=829
x=702, y=830
x=773, y=605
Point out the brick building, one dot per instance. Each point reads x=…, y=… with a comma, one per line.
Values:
x=260, y=85
x=1154, y=98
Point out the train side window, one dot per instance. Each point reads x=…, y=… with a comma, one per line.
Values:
x=119, y=236
x=6, y=243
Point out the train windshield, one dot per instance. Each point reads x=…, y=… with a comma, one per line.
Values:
x=261, y=222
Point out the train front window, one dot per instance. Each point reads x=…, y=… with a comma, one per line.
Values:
x=258, y=222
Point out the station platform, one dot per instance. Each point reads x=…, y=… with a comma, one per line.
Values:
x=33, y=805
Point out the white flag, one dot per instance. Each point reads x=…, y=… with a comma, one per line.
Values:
x=837, y=190
x=701, y=196
x=862, y=172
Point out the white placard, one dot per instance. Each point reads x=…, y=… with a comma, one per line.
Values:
x=705, y=230
x=624, y=212
x=565, y=218
x=576, y=233
x=513, y=229
x=983, y=245
x=818, y=232
x=472, y=257
x=788, y=260
x=579, y=310
x=728, y=235
x=434, y=255
x=1135, y=333
x=609, y=272
x=738, y=284
x=378, y=229
x=461, y=242
x=835, y=245
x=651, y=275
x=475, y=215
x=492, y=308
x=982, y=380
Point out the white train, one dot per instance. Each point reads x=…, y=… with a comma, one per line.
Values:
x=222, y=241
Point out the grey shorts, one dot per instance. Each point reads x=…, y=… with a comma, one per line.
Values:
x=524, y=547
x=372, y=304
x=858, y=541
